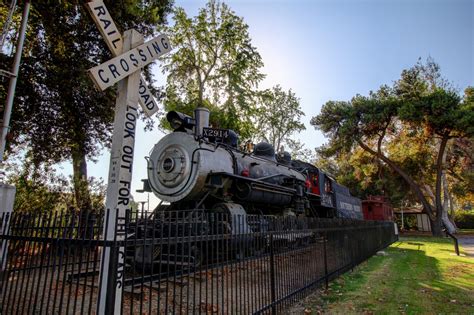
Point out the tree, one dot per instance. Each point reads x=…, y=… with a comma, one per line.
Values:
x=420, y=106
x=214, y=65
x=279, y=117
x=364, y=175
x=58, y=113
x=298, y=151
x=460, y=169
x=39, y=189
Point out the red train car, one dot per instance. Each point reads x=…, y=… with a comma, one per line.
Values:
x=377, y=208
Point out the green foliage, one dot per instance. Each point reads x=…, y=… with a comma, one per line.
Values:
x=464, y=219
x=278, y=117
x=58, y=114
x=35, y=194
x=410, y=222
x=460, y=167
x=365, y=175
x=298, y=151
x=214, y=65
x=40, y=189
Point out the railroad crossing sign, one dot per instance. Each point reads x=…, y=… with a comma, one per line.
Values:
x=130, y=55
x=109, y=73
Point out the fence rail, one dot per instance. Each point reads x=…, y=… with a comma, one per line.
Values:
x=180, y=262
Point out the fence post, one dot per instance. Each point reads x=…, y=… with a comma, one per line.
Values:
x=110, y=307
x=325, y=260
x=272, y=275
x=7, y=198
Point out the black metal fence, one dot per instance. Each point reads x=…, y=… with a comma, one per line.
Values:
x=180, y=262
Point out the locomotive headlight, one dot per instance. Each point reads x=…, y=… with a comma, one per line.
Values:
x=176, y=123
x=180, y=121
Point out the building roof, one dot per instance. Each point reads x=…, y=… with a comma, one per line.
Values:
x=410, y=210
x=371, y=198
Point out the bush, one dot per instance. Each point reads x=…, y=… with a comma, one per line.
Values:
x=464, y=219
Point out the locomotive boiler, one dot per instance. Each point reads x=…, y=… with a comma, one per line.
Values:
x=197, y=166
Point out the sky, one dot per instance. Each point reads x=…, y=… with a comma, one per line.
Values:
x=333, y=50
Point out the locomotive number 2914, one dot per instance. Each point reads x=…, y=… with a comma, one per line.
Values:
x=215, y=133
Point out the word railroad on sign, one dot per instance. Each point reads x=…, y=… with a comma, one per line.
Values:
x=130, y=55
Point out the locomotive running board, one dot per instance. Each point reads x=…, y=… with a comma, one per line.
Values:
x=215, y=180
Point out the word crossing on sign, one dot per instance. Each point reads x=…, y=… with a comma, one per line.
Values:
x=120, y=67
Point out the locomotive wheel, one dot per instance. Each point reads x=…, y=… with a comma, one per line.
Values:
x=240, y=254
x=257, y=249
x=145, y=257
x=196, y=253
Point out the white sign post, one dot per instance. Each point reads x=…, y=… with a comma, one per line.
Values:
x=131, y=55
x=119, y=184
x=7, y=198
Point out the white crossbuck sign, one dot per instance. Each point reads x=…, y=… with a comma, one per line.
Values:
x=125, y=62
x=130, y=55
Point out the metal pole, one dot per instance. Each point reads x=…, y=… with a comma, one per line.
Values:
x=403, y=226
x=326, y=279
x=272, y=276
x=12, y=85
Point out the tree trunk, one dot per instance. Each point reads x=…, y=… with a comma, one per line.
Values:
x=439, y=175
x=437, y=227
x=450, y=226
x=81, y=185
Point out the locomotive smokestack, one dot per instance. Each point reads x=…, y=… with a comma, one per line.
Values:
x=201, y=115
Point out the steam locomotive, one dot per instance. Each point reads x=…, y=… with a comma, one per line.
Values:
x=197, y=166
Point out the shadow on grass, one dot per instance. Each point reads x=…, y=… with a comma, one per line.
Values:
x=416, y=244
x=428, y=284
x=417, y=277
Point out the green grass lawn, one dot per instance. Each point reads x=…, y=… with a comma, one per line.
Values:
x=418, y=275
